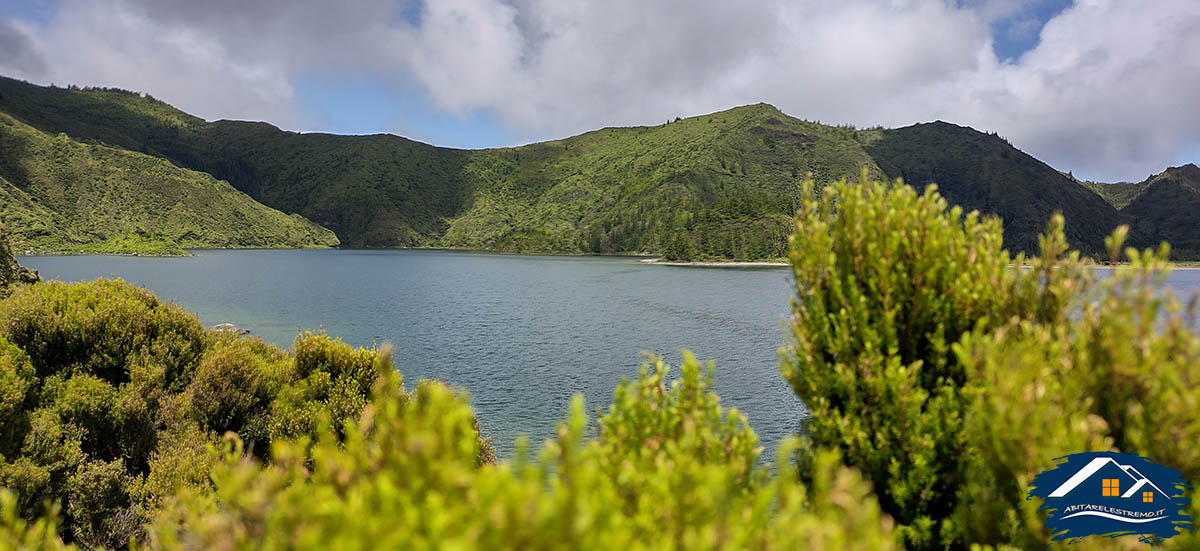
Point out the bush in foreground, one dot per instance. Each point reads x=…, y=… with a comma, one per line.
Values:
x=110, y=399
x=951, y=377
x=669, y=469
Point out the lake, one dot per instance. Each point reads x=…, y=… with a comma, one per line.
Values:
x=522, y=334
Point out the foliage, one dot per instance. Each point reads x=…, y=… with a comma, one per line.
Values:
x=1118, y=377
x=717, y=186
x=11, y=273
x=18, y=534
x=370, y=464
x=886, y=281
x=952, y=378
x=63, y=195
x=669, y=469
x=110, y=399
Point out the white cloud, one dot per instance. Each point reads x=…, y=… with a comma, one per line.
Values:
x=1107, y=92
x=1110, y=90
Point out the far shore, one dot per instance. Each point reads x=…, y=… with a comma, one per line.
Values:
x=643, y=258
x=717, y=263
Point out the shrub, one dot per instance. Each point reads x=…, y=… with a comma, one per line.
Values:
x=334, y=381
x=95, y=327
x=235, y=383
x=87, y=402
x=886, y=281
x=112, y=399
x=16, y=385
x=668, y=469
x=98, y=504
x=1120, y=377
x=952, y=374
x=17, y=534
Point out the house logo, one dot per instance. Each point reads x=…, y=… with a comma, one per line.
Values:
x=1112, y=494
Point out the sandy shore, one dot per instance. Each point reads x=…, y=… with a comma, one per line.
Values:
x=718, y=264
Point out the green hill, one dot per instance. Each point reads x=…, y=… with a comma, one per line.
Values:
x=722, y=185
x=60, y=194
x=1165, y=208
x=984, y=172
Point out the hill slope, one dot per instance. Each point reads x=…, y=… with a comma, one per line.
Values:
x=59, y=194
x=1167, y=208
x=721, y=185
x=984, y=172
x=12, y=273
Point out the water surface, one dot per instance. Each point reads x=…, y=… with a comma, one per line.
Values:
x=522, y=334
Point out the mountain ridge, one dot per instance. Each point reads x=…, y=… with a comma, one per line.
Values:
x=716, y=186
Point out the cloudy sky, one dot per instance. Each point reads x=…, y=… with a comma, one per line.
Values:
x=1105, y=88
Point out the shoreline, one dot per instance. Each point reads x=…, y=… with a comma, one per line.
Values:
x=642, y=258
x=717, y=263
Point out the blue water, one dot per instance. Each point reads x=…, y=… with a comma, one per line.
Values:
x=522, y=334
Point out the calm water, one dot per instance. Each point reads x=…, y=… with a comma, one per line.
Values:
x=521, y=333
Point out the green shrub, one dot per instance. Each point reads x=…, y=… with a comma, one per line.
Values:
x=234, y=385
x=99, y=506
x=334, y=381
x=952, y=374
x=17, y=534
x=87, y=402
x=112, y=399
x=1119, y=377
x=95, y=327
x=668, y=469
x=16, y=385
x=887, y=280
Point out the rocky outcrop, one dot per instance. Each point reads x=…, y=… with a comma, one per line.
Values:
x=12, y=273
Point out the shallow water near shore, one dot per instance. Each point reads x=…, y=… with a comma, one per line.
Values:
x=522, y=334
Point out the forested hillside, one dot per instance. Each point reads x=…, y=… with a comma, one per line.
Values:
x=1165, y=206
x=983, y=171
x=60, y=194
x=714, y=186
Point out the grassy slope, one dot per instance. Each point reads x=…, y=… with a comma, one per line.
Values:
x=714, y=186
x=59, y=194
x=1118, y=195
x=984, y=172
